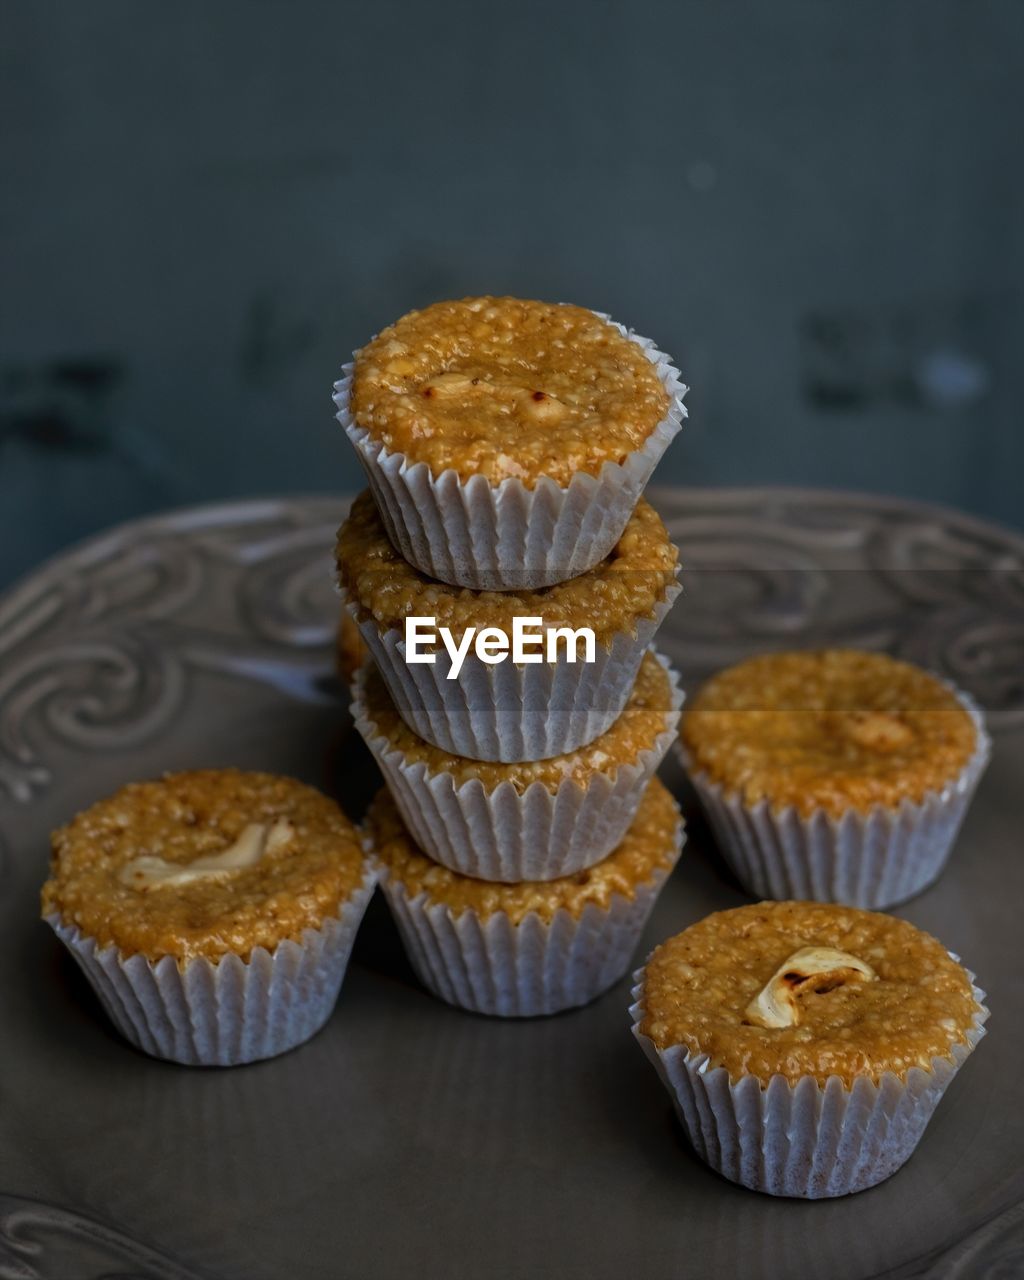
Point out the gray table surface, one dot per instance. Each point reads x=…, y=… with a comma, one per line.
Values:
x=409, y=1138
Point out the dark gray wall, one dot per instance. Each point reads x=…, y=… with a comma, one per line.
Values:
x=815, y=206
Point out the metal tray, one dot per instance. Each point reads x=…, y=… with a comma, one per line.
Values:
x=409, y=1138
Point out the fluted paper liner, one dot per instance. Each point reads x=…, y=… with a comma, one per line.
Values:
x=872, y=860
x=507, y=836
x=506, y=536
x=228, y=1012
x=806, y=1139
x=505, y=712
x=490, y=965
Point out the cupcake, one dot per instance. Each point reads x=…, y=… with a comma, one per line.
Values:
x=213, y=912
x=536, y=820
x=837, y=775
x=805, y=1045
x=349, y=650
x=507, y=441
x=521, y=950
x=499, y=709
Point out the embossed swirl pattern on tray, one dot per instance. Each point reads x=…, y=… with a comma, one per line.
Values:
x=96, y=648
x=778, y=569
x=44, y=1242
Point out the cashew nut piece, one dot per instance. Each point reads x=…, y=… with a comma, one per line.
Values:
x=256, y=839
x=818, y=969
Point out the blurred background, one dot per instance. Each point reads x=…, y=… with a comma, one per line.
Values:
x=816, y=208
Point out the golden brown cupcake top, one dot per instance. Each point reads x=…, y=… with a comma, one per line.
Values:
x=610, y=598
x=650, y=846
x=504, y=387
x=807, y=989
x=205, y=863
x=834, y=730
x=647, y=714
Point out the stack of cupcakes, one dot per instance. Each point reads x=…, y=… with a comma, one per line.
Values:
x=523, y=837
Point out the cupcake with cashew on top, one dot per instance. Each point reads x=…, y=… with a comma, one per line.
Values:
x=213, y=912
x=521, y=950
x=805, y=1045
x=533, y=820
x=834, y=775
x=506, y=441
x=492, y=707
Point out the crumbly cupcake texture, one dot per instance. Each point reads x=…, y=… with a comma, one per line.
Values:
x=645, y=716
x=650, y=845
x=699, y=986
x=312, y=861
x=610, y=598
x=350, y=649
x=504, y=387
x=831, y=730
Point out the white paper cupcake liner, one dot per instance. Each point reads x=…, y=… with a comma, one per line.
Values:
x=490, y=965
x=872, y=860
x=225, y=1013
x=504, y=835
x=508, y=713
x=806, y=1139
x=503, y=537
